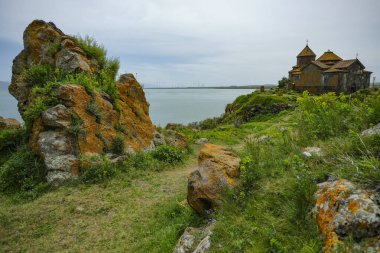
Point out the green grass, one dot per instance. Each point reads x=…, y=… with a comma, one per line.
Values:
x=143, y=211
x=141, y=206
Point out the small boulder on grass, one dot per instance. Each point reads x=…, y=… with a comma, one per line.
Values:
x=195, y=240
x=312, y=151
x=371, y=131
x=218, y=168
x=201, y=141
x=176, y=139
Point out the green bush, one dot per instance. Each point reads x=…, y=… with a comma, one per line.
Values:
x=24, y=173
x=97, y=169
x=92, y=49
x=35, y=108
x=168, y=154
x=374, y=107
x=141, y=161
x=118, y=146
x=283, y=83
x=328, y=115
x=93, y=108
x=40, y=75
x=11, y=138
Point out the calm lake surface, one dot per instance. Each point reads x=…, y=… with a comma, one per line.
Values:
x=166, y=105
x=189, y=105
x=8, y=104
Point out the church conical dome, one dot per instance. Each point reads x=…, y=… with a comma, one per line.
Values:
x=306, y=52
x=329, y=58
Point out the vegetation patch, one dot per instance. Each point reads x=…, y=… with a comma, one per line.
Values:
x=24, y=174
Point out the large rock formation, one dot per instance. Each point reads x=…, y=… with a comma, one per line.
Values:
x=217, y=168
x=348, y=217
x=81, y=123
x=45, y=44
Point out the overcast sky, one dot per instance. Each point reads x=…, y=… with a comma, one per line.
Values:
x=210, y=42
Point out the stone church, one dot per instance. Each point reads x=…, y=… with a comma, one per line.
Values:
x=328, y=73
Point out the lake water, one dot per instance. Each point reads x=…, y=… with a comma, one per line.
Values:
x=189, y=105
x=8, y=104
x=166, y=105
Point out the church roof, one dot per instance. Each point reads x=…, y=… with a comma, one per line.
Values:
x=346, y=63
x=306, y=52
x=321, y=64
x=329, y=56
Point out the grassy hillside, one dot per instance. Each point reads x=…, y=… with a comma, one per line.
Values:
x=141, y=206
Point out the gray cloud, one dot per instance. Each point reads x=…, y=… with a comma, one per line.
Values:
x=215, y=42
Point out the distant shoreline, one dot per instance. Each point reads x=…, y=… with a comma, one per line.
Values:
x=216, y=87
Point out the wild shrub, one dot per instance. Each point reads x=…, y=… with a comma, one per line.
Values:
x=118, y=145
x=168, y=154
x=97, y=169
x=92, y=49
x=35, y=108
x=374, y=109
x=209, y=123
x=76, y=126
x=328, y=115
x=11, y=138
x=122, y=129
x=23, y=172
x=140, y=161
x=40, y=75
x=93, y=109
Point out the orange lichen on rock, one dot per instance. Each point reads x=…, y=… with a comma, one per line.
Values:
x=353, y=206
x=345, y=211
x=78, y=122
x=327, y=202
x=217, y=168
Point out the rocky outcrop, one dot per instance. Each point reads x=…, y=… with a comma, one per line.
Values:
x=195, y=240
x=217, y=168
x=80, y=132
x=6, y=123
x=344, y=212
x=81, y=123
x=176, y=139
x=45, y=44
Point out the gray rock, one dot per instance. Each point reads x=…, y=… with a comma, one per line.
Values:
x=158, y=139
x=57, y=116
x=203, y=245
x=263, y=139
x=119, y=159
x=54, y=142
x=71, y=61
x=58, y=153
x=312, y=151
x=201, y=141
x=371, y=131
x=195, y=240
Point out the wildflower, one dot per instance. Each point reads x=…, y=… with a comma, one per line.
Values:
x=331, y=179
